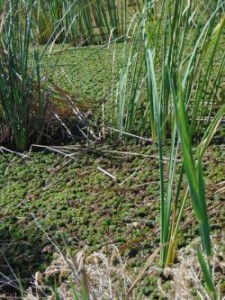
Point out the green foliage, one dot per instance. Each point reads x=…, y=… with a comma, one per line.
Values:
x=21, y=97
x=82, y=21
x=207, y=273
x=168, y=91
x=177, y=111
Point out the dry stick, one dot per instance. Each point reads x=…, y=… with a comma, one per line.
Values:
x=77, y=147
x=137, y=154
x=220, y=190
x=61, y=149
x=130, y=134
x=100, y=150
x=113, y=189
x=3, y=149
x=52, y=148
x=107, y=173
x=131, y=153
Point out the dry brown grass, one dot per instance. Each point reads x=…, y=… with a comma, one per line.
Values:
x=103, y=273
x=105, y=276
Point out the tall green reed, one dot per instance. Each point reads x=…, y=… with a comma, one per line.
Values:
x=21, y=98
x=180, y=111
x=185, y=41
x=184, y=69
x=87, y=22
x=130, y=81
x=25, y=100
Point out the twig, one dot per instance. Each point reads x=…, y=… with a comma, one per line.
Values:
x=107, y=173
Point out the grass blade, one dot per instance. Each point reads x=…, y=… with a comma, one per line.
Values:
x=206, y=273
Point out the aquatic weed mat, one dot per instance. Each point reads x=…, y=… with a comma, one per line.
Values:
x=89, y=71
x=96, y=75
x=93, y=196
x=94, y=71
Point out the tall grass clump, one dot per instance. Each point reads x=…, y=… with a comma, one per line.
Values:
x=21, y=98
x=190, y=43
x=31, y=105
x=130, y=87
x=84, y=22
x=183, y=69
x=182, y=107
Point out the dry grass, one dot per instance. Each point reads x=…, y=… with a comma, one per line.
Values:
x=105, y=276
x=186, y=276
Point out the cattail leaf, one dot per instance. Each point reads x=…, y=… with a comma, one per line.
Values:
x=206, y=272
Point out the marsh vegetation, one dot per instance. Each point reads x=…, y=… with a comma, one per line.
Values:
x=112, y=149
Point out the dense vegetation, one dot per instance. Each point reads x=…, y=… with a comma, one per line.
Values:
x=129, y=95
